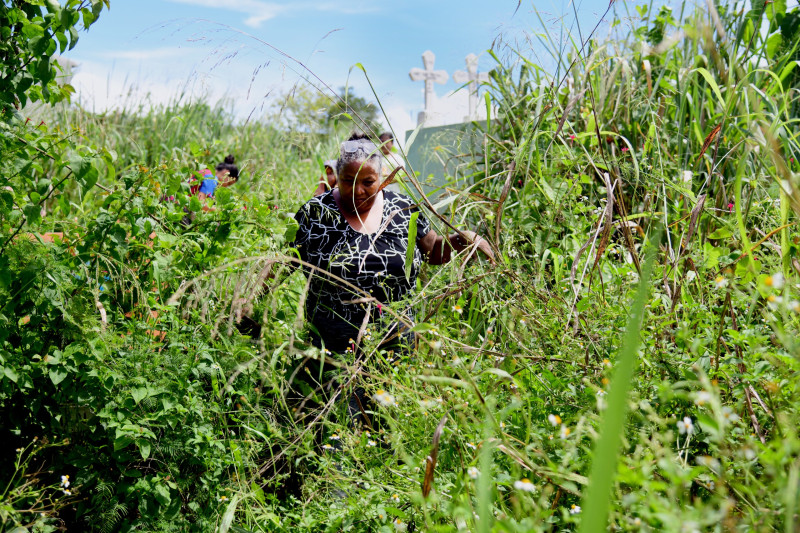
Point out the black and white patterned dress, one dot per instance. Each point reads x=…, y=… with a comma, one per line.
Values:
x=373, y=262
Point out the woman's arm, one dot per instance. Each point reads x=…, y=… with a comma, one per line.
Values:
x=439, y=250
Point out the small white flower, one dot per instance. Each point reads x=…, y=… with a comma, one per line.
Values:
x=721, y=282
x=687, y=176
x=65, y=481
x=565, y=431
x=335, y=437
x=471, y=446
x=775, y=281
x=728, y=414
x=457, y=309
x=436, y=345
x=690, y=276
x=708, y=461
x=384, y=398
x=606, y=363
x=554, y=419
x=222, y=498
x=472, y=472
x=371, y=443
x=685, y=426
x=601, y=400
x=702, y=398
x=215, y=366
x=690, y=526
x=399, y=525
x=524, y=485
x=574, y=509
x=774, y=301
x=794, y=305
x=327, y=447
x=67, y=492
x=395, y=498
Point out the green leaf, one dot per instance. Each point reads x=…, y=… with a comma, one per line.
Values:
x=139, y=394
x=290, y=232
x=195, y=205
x=720, y=233
x=713, y=84
x=144, y=448
x=774, y=44
x=223, y=195
x=259, y=493
x=11, y=374
x=776, y=10
x=84, y=171
x=412, y=242
x=122, y=442
x=57, y=375
x=161, y=494
x=227, y=518
x=33, y=213
x=73, y=37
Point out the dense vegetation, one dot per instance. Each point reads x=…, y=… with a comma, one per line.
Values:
x=630, y=361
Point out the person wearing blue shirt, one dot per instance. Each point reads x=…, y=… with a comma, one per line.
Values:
x=227, y=173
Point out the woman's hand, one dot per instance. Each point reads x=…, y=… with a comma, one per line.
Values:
x=472, y=238
x=438, y=253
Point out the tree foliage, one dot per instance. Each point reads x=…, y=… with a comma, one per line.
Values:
x=31, y=33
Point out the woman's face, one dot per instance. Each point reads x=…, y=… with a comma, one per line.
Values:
x=359, y=182
x=224, y=178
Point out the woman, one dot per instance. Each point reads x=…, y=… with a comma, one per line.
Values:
x=328, y=180
x=227, y=173
x=359, y=233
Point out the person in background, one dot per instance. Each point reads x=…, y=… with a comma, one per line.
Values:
x=391, y=161
x=328, y=180
x=227, y=173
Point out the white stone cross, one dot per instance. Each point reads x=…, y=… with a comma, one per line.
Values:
x=429, y=76
x=471, y=76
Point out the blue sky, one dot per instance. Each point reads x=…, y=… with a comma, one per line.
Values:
x=151, y=50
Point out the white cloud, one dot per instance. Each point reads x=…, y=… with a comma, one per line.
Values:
x=257, y=12
x=145, y=54
x=352, y=8
x=101, y=88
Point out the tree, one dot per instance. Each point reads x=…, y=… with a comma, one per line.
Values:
x=308, y=111
x=355, y=110
x=31, y=31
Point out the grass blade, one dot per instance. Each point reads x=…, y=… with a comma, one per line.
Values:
x=604, y=464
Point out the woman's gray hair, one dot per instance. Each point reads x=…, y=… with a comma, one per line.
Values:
x=359, y=151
